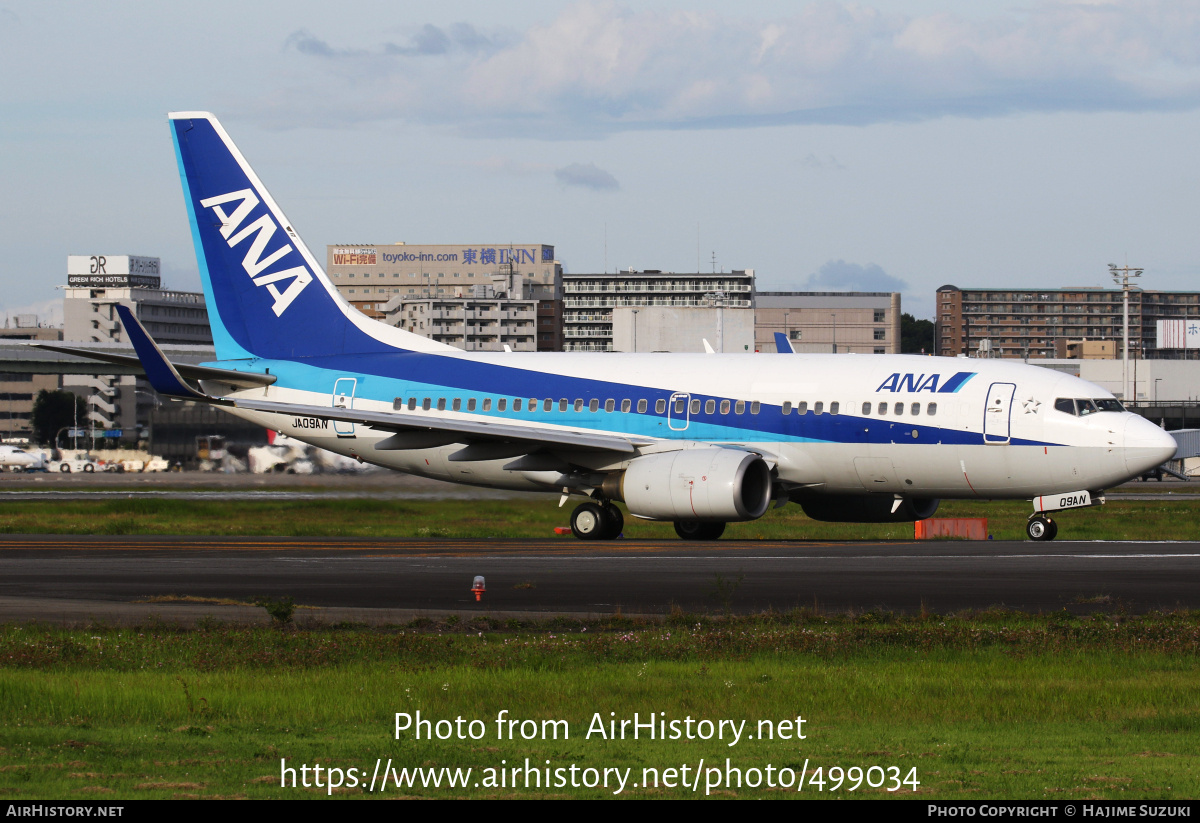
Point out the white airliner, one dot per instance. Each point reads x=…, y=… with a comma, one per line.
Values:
x=17, y=459
x=700, y=440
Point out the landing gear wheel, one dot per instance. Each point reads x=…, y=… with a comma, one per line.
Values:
x=588, y=522
x=695, y=530
x=614, y=521
x=1041, y=528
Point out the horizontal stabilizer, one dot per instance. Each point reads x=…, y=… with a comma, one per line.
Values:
x=159, y=371
x=243, y=380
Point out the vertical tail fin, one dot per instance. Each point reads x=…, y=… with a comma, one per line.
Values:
x=267, y=296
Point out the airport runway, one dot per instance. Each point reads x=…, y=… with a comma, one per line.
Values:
x=73, y=579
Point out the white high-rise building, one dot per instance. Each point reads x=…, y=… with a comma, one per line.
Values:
x=96, y=284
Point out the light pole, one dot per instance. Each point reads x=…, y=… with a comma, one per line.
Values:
x=834, y=316
x=635, y=312
x=785, y=326
x=1121, y=278
x=1157, y=380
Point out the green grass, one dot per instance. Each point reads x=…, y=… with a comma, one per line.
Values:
x=1149, y=519
x=984, y=706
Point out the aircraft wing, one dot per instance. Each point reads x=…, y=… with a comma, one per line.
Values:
x=471, y=430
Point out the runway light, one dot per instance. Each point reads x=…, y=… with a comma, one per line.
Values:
x=479, y=587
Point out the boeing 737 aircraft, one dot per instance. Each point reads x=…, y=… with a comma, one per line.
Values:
x=16, y=459
x=697, y=439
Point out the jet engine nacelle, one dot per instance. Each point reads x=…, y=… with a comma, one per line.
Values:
x=868, y=508
x=695, y=484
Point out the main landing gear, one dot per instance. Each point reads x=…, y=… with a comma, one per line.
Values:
x=696, y=530
x=597, y=521
x=1041, y=527
x=601, y=520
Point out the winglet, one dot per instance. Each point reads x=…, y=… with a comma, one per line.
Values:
x=162, y=375
x=708, y=349
x=782, y=345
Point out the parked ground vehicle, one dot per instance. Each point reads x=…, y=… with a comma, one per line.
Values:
x=77, y=462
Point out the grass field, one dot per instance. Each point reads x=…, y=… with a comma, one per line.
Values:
x=1150, y=519
x=985, y=706
x=972, y=706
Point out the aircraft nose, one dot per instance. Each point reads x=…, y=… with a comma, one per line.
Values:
x=1146, y=445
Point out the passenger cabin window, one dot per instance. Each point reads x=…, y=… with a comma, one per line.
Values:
x=471, y=404
x=642, y=406
x=412, y=404
x=548, y=404
x=867, y=407
x=610, y=405
x=441, y=404
x=501, y=404
x=487, y=404
x=533, y=403
x=899, y=408
x=931, y=409
x=739, y=407
x=787, y=407
x=754, y=407
x=579, y=404
x=426, y=403
x=710, y=406
x=594, y=404
x=679, y=403
x=517, y=402
x=660, y=406
x=695, y=404
x=563, y=404
x=883, y=408
x=802, y=407
x=457, y=404
x=818, y=407
x=834, y=407
x=724, y=407
x=914, y=409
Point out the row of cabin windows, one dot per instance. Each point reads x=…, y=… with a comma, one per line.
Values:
x=660, y=406
x=914, y=409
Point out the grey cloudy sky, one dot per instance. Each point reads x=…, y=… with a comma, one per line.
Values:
x=915, y=143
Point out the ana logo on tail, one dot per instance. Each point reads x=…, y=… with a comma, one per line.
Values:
x=254, y=262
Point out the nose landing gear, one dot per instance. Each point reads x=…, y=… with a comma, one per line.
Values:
x=1041, y=527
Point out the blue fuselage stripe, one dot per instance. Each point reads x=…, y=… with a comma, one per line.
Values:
x=436, y=376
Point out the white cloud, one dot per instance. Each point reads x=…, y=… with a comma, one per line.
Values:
x=600, y=67
x=838, y=275
x=588, y=176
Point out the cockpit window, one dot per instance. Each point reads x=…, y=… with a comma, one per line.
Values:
x=1082, y=406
